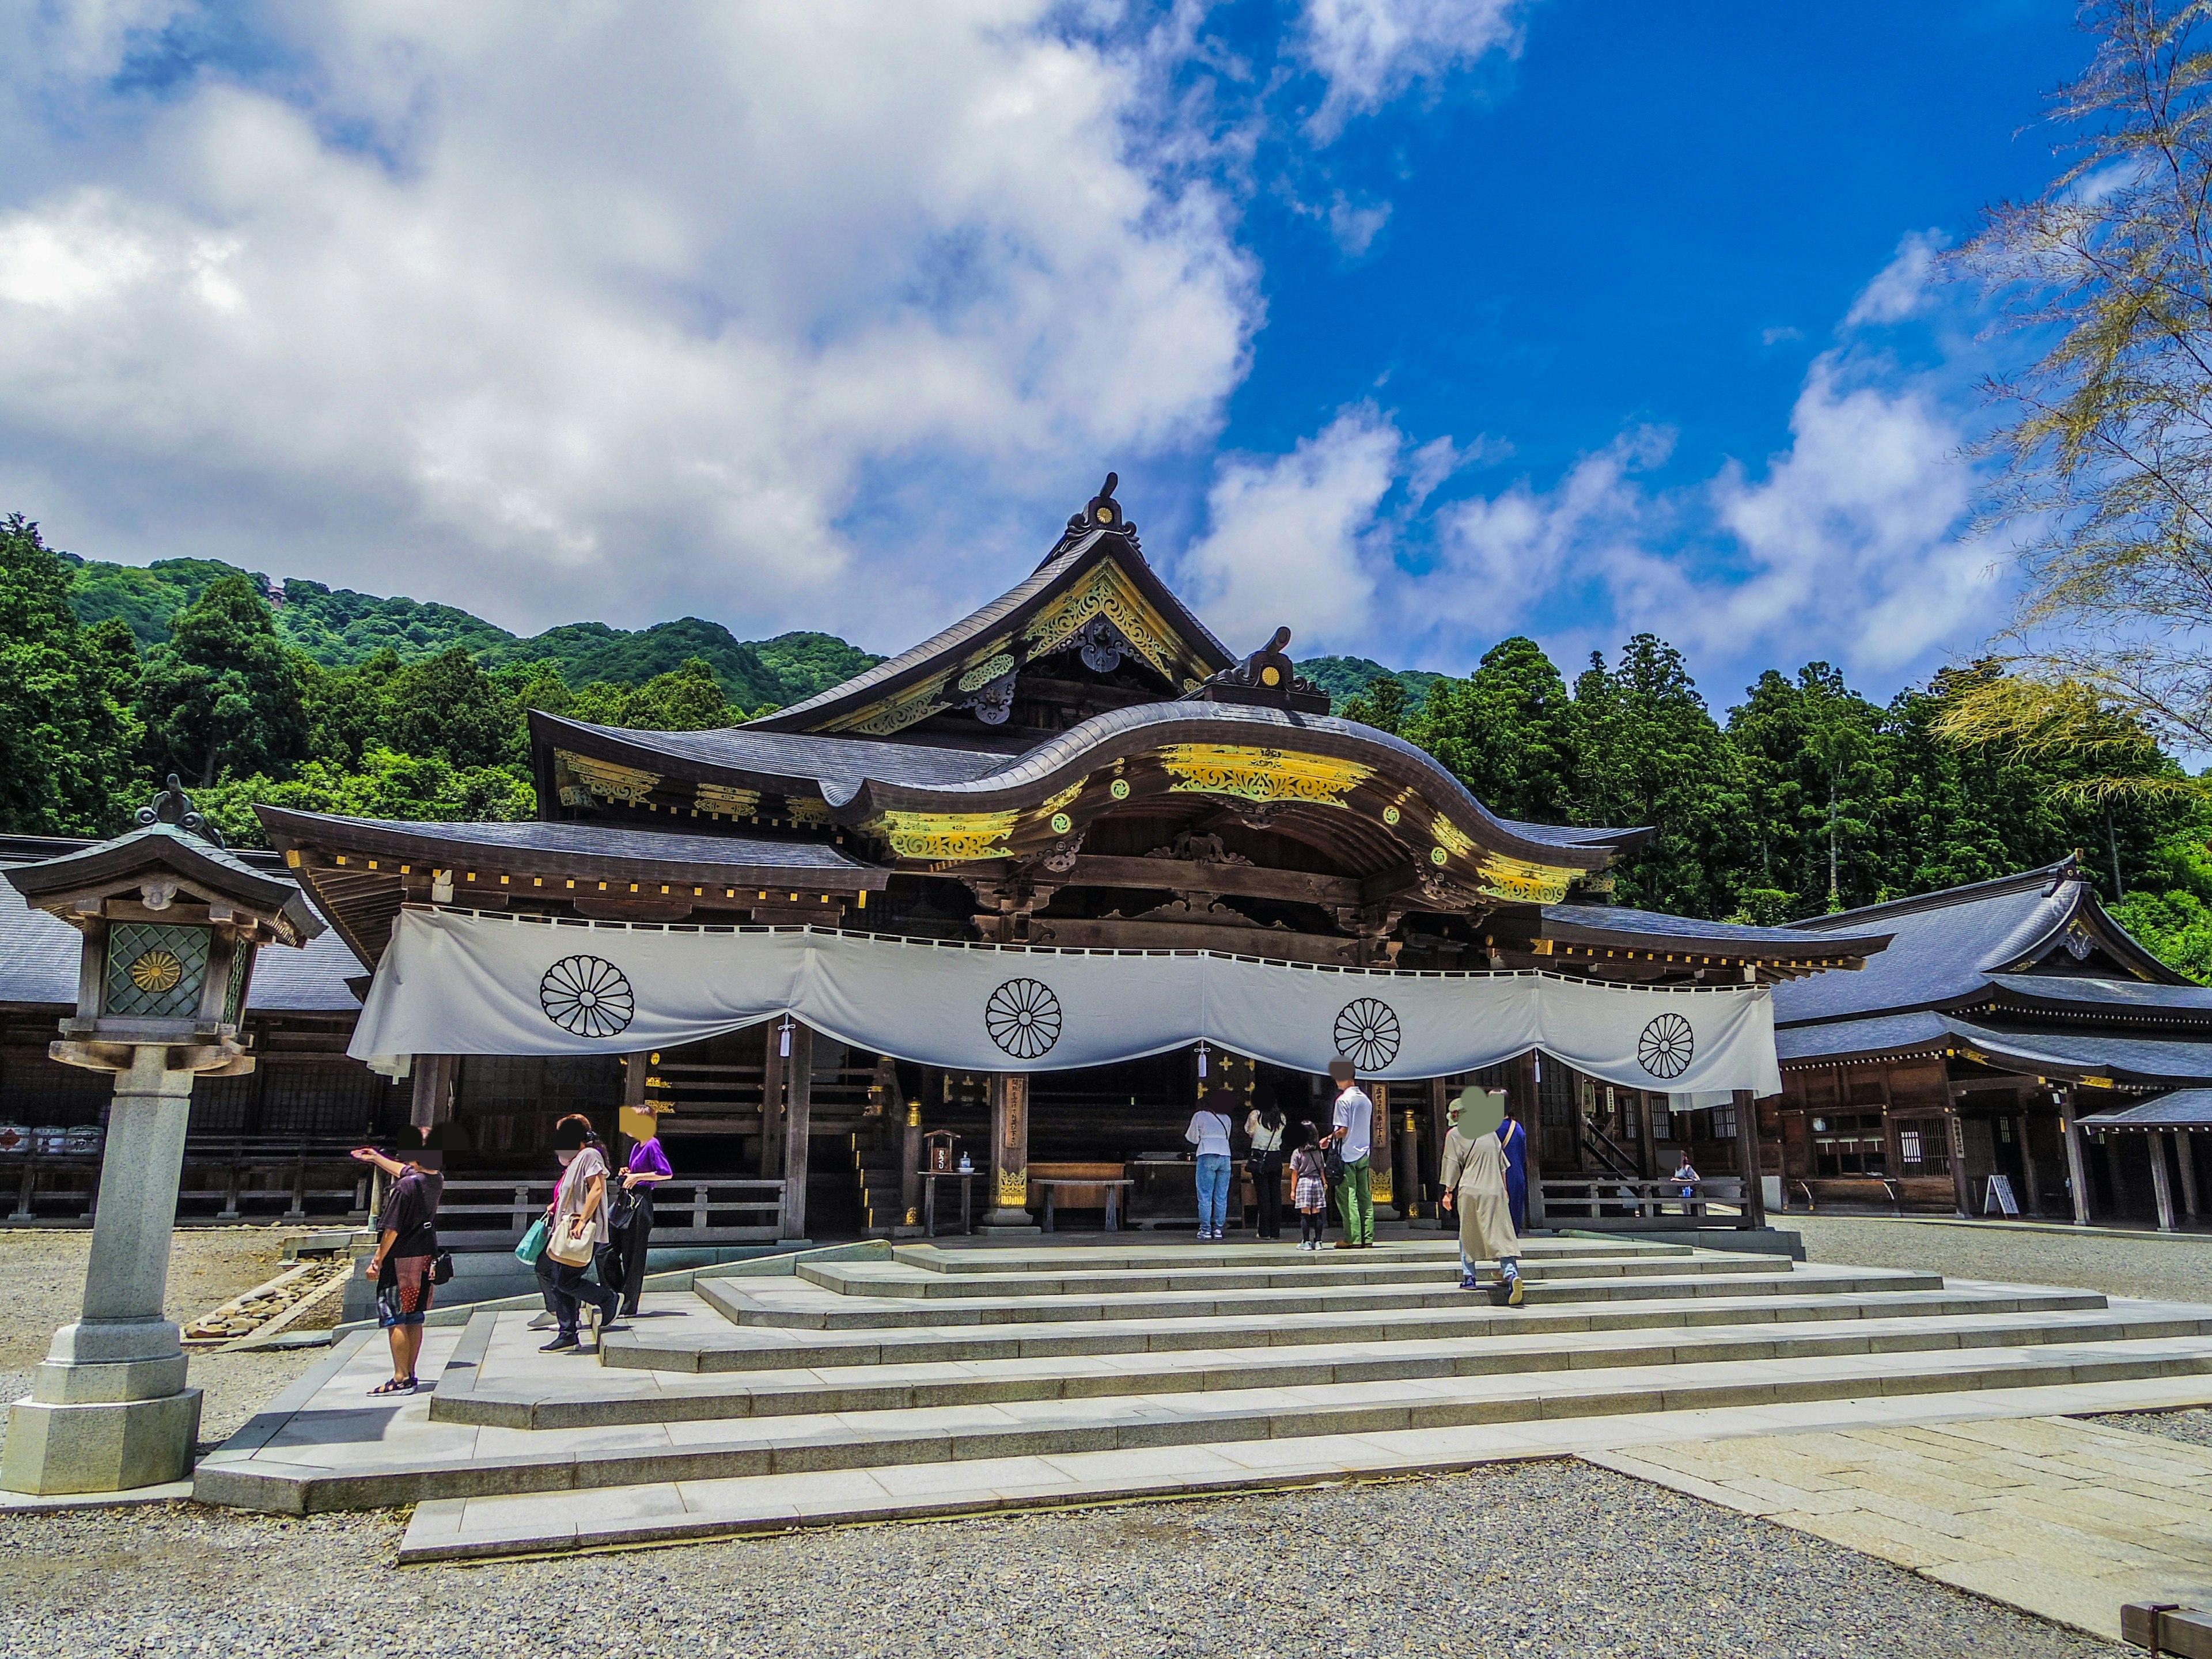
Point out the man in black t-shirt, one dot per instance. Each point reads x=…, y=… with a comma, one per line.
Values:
x=406, y=1241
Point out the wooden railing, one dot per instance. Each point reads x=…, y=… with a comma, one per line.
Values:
x=269, y=1177
x=491, y=1214
x=1622, y=1203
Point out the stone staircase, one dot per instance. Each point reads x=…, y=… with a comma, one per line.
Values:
x=880, y=1381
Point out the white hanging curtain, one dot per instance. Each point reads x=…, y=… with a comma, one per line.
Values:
x=463, y=982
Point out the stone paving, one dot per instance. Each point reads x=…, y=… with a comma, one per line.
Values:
x=2067, y=1519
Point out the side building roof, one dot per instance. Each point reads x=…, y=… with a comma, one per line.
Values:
x=1947, y=949
x=40, y=953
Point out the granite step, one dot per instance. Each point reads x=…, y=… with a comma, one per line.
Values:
x=849, y=1311
x=1358, y=1267
x=718, y=1346
x=525, y=1398
x=949, y=1258
x=308, y=1474
x=645, y=1514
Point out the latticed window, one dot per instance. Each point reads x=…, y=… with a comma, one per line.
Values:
x=155, y=969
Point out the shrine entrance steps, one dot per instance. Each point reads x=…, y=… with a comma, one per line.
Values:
x=923, y=1380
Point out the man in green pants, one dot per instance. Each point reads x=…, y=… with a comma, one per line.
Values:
x=1352, y=1127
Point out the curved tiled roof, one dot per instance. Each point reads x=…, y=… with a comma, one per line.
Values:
x=1620, y=919
x=2107, y=995
x=979, y=623
x=2184, y=1109
x=656, y=849
x=1945, y=947
x=840, y=764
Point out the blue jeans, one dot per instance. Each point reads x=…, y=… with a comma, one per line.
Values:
x=1212, y=1192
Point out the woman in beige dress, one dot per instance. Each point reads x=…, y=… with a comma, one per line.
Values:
x=1474, y=1186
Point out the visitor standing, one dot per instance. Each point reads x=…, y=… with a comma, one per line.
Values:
x=1209, y=1132
x=1309, y=1188
x=1264, y=1127
x=1353, y=1130
x=1513, y=1141
x=406, y=1245
x=649, y=1167
x=1685, y=1183
x=1474, y=1181
x=580, y=1197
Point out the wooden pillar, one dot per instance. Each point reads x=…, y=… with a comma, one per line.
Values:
x=1648, y=1147
x=772, y=1080
x=1409, y=1165
x=2031, y=1201
x=2161, y=1179
x=910, y=1166
x=435, y=1075
x=1955, y=1131
x=1522, y=1085
x=797, y=1122
x=1010, y=1155
x=2077, y=1167
x=1439, y=1126
x=1746, y=1153
x=2185, y=1148
x=1379, y=1171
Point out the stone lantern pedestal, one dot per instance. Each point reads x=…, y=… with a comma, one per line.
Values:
x=170, y=923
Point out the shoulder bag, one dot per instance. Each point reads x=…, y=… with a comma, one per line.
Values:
x=571, y=1243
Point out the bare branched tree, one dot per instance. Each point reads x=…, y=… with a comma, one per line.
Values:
x=2107, y=458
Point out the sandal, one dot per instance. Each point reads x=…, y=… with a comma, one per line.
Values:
x=395, y=1385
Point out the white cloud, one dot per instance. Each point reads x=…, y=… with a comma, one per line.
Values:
x=1299, y=538
x=552, y=314
x=1901, y=289
x=1850, y=544
x=1371, y=51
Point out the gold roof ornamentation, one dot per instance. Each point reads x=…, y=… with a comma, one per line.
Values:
x=726, y=800
x=603, y=779
x=881, y=720
x=947, y=835
x=1254, y=774
x=1109, y=593
x=1515, y=878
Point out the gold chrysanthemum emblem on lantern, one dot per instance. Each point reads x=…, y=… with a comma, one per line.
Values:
x=156, y=971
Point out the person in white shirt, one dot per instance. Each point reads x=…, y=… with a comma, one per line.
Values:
x=1352, y=1129
x=1209, y=1132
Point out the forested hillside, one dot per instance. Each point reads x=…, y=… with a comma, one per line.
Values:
x=338, y=628
x=1800, y=797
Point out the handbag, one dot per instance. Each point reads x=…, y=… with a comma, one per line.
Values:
x=621, y=1206
x=1332, y=1163
x=572, y=1243
x=442, y=1267
x=533, y=1243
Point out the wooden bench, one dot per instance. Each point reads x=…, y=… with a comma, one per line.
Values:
x=1086, y=1185
x=1852, y=1189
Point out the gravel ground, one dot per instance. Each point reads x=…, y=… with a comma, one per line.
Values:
x=1550, y=1558
x=42, y=1289
x=2177, y=1269
x=2194, y=1425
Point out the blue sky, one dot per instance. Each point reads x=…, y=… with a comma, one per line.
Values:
x=1411, y=322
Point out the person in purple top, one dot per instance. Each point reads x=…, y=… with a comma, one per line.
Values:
x=648, y=1168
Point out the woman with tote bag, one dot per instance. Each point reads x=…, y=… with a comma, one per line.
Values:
x=577, y=1224
x=1264, y=1125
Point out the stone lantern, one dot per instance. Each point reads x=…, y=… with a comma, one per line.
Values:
x=170, y=922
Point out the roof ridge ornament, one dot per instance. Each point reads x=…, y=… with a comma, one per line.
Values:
x=1101, y=511
x=173, y=806
x=1266, y=676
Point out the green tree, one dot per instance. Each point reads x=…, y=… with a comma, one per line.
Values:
x=1507, y=731
x=66, y=730
x=1382, y=705
x=447, y=707
x=387, y=785
x=1651, y=755
x=685, y=699
x=2108, y=447
x=223, y=696
x=1814, y=755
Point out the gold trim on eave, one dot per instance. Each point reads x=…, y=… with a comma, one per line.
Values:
x=1499, y=877
x=609, y=781
x=950, y=835
x=1262, y=774
x=727, y=799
